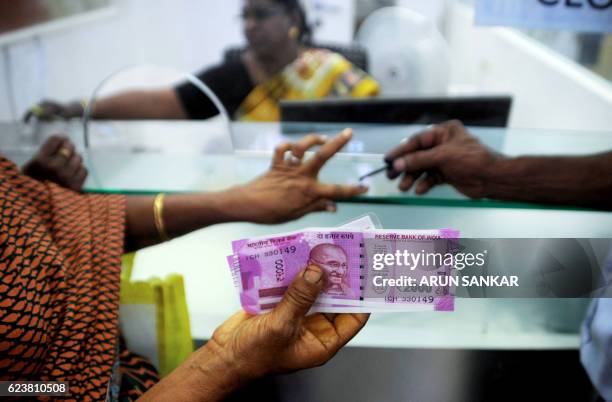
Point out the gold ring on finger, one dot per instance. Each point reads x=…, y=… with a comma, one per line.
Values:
x=65, y=152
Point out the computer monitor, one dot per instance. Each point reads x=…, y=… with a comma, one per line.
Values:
x=480, y=111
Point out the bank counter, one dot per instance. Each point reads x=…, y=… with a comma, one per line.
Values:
x=151, y=157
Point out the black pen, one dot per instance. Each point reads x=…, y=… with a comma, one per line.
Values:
x=388, y=166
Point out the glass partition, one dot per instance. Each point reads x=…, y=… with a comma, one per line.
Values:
x=137, y=158
x=188, y=156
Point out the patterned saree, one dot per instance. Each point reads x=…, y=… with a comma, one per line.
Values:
x=316, y=74
x=60, y=260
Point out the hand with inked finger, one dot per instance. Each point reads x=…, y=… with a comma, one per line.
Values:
x=291, y=189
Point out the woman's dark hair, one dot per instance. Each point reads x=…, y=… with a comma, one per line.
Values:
x=292, y=6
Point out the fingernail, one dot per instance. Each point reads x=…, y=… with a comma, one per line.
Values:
x=347, y=133
x=324, y=137
x=331, y=207
x=313, y=274
x=399, y=165
x=363, y=188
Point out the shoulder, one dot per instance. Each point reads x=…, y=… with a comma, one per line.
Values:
x=321, y=60
x=221, y=78
x=323, y=55
x=227, y=69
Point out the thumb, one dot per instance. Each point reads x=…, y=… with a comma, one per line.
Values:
x=301, y=295
x=417, y=161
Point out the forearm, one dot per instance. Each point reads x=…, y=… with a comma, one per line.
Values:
x=181, y=214
x=203, y=377
x=157, y=104
x=285, y=192
x=579, y=181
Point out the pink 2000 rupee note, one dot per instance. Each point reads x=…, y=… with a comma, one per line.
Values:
x=265, y=267
x=268, y=266
x=251, y=302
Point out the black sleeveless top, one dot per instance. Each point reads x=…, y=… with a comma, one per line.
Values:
x=230, y=81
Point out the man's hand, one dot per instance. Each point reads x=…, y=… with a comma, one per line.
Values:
x=290, y=189
x=285, y=340
x=58, y=162
x=446, y=153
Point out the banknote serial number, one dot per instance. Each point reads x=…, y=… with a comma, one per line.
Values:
x=281, y=251
x=33, y=388
x=410, y=299
x=279, y=263
x=274, y=253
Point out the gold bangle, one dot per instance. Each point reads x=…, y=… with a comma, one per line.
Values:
x=158, y=210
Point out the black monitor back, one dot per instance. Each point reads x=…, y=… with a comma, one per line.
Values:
x=479, y=111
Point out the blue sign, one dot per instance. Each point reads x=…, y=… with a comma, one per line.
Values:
x=575, y=15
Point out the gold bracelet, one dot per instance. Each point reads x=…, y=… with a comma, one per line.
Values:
x=158, y=210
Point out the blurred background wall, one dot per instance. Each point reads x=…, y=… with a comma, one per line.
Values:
x=67, y=60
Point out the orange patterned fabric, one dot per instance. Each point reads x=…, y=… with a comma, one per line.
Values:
x=138, y=375
x=59, y=283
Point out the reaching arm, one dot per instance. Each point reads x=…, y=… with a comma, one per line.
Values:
x=449, y=154
x=582, y=181
x=163, y=104
x=289, y=190
x=181, y=214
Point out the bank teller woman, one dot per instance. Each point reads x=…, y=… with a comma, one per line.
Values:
x=278, y=64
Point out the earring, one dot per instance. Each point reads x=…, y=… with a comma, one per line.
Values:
x=294, y=32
